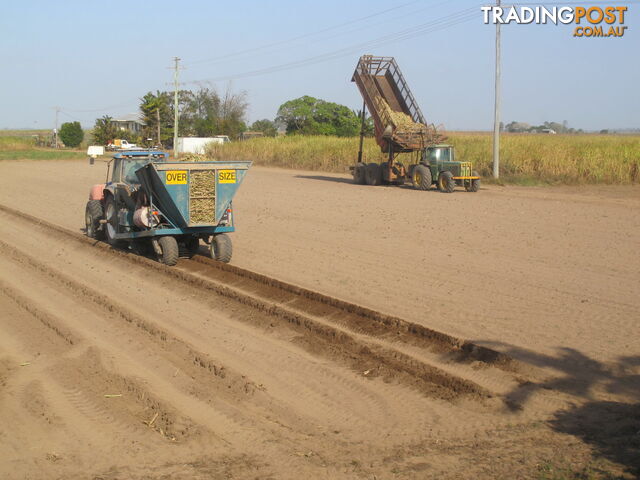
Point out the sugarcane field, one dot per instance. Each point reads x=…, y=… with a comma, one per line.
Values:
x=296, y=245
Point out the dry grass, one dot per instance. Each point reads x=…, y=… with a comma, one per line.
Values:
x=17, y=147
x=530, y=158
x=16, y=143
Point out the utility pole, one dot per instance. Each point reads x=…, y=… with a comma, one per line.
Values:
x=362, y=119
x=158, y=121
x=55, y=130
x=496, y=112
x=175, y=105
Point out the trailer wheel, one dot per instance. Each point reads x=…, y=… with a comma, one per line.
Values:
x=170, y=252
x=221, y=248
x=359, y=176
x=446, y=183
x=92, y=216
x=373, y=174
x=421, y=177
x=473, y=185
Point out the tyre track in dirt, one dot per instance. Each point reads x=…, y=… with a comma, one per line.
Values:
x=354, y=329
x=406, y=353
x=341, y=369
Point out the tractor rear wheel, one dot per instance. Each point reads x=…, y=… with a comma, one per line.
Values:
x=92, y=216
x=474, y=185
x=421, y=177
x=221, y=248
x=111, y=227
x=169, y=248
x=446, y=183
x=373, y=174
x=359, y=177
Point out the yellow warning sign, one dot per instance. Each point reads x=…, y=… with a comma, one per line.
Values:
x=176, y=177
x=227, y=176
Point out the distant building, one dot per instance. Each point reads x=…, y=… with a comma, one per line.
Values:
x=131, y=122
x=550, y=131
x=249, y=135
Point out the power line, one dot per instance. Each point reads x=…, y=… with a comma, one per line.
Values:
x=299, y=37
x=385, y=22
x=70, y=116
x=93, y=110
x=422, y=29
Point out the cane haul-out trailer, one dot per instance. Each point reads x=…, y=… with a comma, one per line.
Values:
x=165, y=208
x=400, y=127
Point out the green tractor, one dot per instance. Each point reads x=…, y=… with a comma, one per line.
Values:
x=438, y=165
x=433, y=165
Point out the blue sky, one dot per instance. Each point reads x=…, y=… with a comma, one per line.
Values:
x=97, y=58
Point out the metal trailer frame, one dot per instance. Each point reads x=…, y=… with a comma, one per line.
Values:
x=169, y=200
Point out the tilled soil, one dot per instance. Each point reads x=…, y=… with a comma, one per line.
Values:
x=112, y=366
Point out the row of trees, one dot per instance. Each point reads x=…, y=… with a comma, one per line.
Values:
x=202, y=113
x=205, y=113
x=522, y=127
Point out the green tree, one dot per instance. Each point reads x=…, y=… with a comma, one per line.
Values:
x=369, y=127
x=267, y=127
x=312, y=116
x=104, y=131
x=71, y=134
x=202, y=113
x=156, y=111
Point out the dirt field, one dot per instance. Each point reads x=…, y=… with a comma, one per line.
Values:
x=111, y=367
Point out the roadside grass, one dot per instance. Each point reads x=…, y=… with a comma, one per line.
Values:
x=15, y=147
x=41, y=154
x=24, y=133
x=526, y=159
x=15, y=142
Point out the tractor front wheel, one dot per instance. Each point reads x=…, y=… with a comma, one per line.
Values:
x=221, y=248
x=446, y=182
x=92, y=216
x=473, y=185
x=421, y=177
x=169, y=249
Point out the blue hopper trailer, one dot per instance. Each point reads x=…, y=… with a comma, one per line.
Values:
x=163, y=208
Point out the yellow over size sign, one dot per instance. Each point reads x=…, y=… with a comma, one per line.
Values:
x=227, y=176
x=176, y=177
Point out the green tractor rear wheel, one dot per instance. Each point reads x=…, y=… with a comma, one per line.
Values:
x=421, y=177
x=446, y=182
